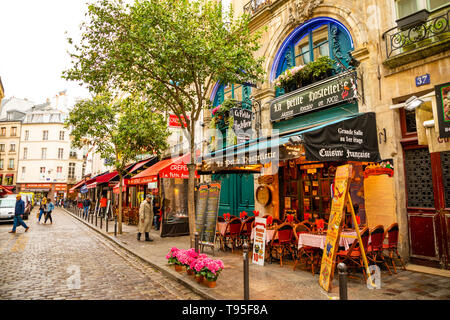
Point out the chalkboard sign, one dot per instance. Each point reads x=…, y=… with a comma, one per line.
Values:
x=200, y=207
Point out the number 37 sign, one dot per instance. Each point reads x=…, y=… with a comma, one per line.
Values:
x=423, y=80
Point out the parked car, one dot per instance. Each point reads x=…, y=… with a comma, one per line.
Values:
x=7, y=206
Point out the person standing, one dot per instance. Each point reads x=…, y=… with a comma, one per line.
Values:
x=50, y=208
x=145, y=218
x=103, y=204
x=42, y=209
x=18, y=214
x=86, y=205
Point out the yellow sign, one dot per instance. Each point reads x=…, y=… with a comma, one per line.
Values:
x=341, y=186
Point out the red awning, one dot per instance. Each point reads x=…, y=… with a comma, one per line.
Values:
x=168, y=168
x=140, y=165
x=106, y=177
x=91, y=185
x=76, y=186
x=5, y=190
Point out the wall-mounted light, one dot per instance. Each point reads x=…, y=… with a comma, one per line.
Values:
x=382, y=136
x=413, y=103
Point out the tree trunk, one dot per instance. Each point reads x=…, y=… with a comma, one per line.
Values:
x=119, y=216
x=191, y=192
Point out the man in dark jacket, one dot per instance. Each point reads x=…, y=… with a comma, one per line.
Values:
x=86, y=205
x=18, y=214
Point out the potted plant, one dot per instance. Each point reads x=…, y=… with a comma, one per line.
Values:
x=192, y=256
x=197, y=266
x=321, y=68
x=211, y=271
x=172, y=258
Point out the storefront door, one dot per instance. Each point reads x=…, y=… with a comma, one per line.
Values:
x=236, y=194
x=428, y=204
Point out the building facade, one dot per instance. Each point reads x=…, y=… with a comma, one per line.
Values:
x=374, y=72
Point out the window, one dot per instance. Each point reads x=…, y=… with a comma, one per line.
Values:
x=27, y=135
x=71, y=170
x=407, y=7
x=61, y=135
x=12, y=147
x=11, y=164
x=3, y=131
x=58, y=172
x=1, y=164
x=13, y=131
x=9, y=179
x=25, y=153
x=44, y=153
x=42, y=173
x=2, y=147
x=23, y=173
x=73, y=154
x=45, y=135
x=60, y=153
x=83, y=170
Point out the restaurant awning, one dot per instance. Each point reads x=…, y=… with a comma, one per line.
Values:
x=4, y=189
x=77, y=185
x=106, y=177
x=353, y=138
x=168, y=168
x=91, y=185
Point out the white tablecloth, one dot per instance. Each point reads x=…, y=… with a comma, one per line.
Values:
x=318, y=240
x=269, y=234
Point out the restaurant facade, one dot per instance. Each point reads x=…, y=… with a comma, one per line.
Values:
x=301, y=133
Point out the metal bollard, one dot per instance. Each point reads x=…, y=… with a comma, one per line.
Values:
x=101, y=222
x=343, y=277
x=95, y=219
x=246, y=273
x=106, y=223
x=115, y=226
x=196, y=243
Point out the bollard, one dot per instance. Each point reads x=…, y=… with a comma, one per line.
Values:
x=342, y=281
x=246, y=273
x=95, y=219
x=106, y=223
x=115, y=226
x=101, y=222
x=196, y=243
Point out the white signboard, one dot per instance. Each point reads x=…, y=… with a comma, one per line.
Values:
x=259, y=241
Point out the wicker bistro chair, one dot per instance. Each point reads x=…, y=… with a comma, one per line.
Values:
x=246, y=229
x=295, y=221
x=232, y=234
x=306, y=253
x=392, y=246
x=353, y=257
x=375, y=249
x=281, y=243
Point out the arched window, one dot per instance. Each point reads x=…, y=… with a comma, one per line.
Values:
x=313, y=39
x=236, y=92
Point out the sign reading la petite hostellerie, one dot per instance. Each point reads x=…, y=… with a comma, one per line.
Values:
x=325, y=94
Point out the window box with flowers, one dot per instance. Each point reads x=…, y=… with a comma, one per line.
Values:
x=303, y=75
x=222, y=121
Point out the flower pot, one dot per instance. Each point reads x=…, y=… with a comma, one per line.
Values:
x=189, y=271
x=199, y=278
x=210, y=284
x=178, y=268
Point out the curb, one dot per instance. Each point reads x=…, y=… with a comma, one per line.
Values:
x=154, y=265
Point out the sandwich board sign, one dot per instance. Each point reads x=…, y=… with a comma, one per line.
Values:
x=259, y=241
x=340, y=199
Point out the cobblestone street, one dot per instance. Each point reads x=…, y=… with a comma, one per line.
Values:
x=47, y=261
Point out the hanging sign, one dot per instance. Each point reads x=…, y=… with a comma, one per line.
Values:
x=353, y=139
x=259, y=241
x=331, y=92
x=174, y=121
x=443, y=109
x=341, y=185
x=242, y=123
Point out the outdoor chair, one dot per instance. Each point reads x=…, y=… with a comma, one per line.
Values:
x=281, y=243
x=392, y=246
x=307, y=253
x=246, y=229
x=220, y=219
x=375, y=249
x=353, y=257
x=232, y=233
x=295, y=221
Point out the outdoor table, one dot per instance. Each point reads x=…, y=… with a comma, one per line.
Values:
x=318, y=240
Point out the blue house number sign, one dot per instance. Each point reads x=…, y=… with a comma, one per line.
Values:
x=422, y=80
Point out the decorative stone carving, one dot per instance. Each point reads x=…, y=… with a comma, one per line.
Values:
x=302, y=10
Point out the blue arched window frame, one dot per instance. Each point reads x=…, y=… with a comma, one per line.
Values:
x=340, y=43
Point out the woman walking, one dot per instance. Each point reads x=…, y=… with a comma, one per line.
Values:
x=50, y=208
x=42, y=209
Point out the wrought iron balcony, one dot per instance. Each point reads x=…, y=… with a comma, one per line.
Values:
x=434, y=33
x=254, y=6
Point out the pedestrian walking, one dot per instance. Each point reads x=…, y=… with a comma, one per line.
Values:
x=50, y=208
x=86, y=205
x=145, y=218
x=18, y=215
x=42, y=209
x=103, y=204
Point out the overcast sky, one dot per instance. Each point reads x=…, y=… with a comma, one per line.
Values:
x=33, y=47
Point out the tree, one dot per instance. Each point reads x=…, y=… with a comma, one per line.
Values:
x=119, y=129
x=173, y=51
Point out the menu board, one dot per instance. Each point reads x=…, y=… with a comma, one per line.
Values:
x=379, y=200
x=200, y=209
x=212, y=208
x=341, y=186
x=259, y=241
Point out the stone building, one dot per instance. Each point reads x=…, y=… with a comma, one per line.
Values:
x=377, y=63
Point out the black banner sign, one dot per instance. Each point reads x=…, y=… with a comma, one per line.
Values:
x=353, y=139
x=242, y=123
x=200, y=209
x=325, y=94
x=443, y=109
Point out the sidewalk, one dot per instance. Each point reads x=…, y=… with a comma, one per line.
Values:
x=272, y=282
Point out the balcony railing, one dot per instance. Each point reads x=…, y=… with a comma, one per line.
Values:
x=254, y=6
x=434, y=30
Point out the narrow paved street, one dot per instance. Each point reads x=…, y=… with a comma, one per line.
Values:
x=67, y=260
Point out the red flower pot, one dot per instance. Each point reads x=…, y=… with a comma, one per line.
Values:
x=178, y=267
